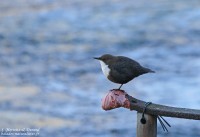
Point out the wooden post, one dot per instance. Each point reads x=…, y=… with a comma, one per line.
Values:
x=149, y=129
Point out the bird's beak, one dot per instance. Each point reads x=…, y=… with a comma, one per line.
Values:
x=97, y=58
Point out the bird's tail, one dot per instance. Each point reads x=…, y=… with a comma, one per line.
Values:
x=147, y=70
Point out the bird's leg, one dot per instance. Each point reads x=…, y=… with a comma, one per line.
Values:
x=120, y=86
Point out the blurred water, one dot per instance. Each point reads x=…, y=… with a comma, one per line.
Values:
x=49, y=80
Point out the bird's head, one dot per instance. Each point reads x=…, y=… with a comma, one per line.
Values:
x=106, y=58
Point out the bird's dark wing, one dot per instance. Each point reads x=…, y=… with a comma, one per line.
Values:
x=133, y=65
x=125, y=70
x=129, y=67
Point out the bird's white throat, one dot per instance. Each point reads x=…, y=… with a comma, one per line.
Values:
x=105, y=68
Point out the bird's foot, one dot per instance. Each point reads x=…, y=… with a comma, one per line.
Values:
x=117, y=89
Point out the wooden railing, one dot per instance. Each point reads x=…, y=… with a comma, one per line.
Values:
x=149, y=129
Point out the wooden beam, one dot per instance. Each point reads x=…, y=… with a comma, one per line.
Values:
x=149, y=129
x=161, y=110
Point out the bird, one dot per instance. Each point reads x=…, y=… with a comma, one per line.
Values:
x=121, y=69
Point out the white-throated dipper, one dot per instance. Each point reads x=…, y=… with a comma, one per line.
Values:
x=120, y=69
